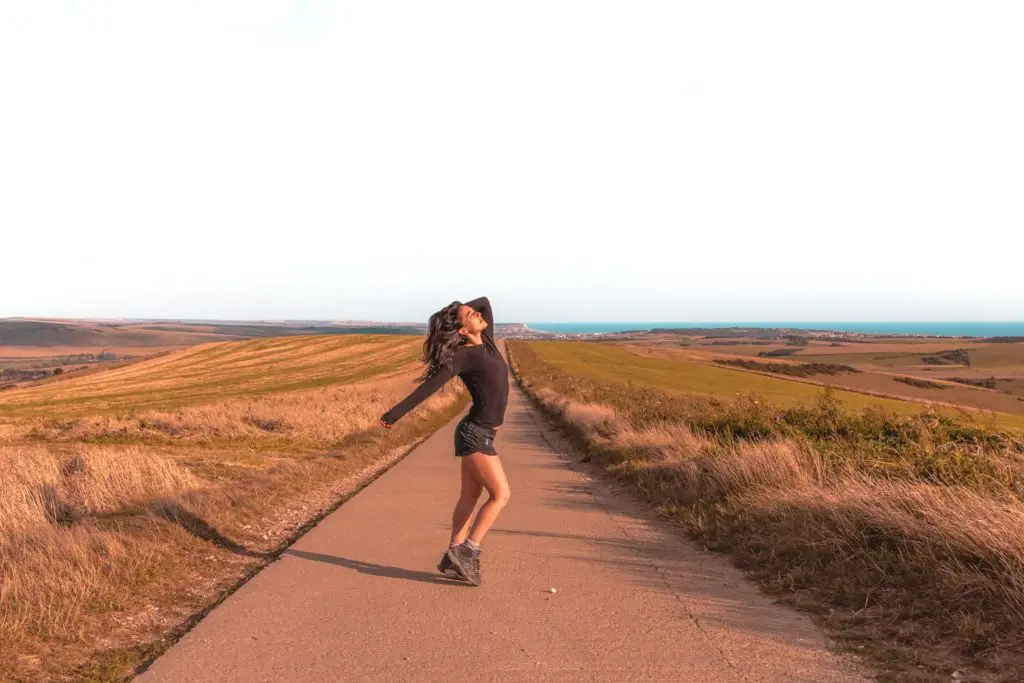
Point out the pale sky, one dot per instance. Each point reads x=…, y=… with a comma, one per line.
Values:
x=574, y=161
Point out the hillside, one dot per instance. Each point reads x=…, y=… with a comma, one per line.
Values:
x=91, y=333
x=133, y=497
x=210, y=372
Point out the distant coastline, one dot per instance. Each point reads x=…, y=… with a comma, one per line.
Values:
x=132, y=332
x=930, y=329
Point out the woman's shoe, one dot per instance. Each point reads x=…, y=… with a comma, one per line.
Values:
x=466, y=565
x=445, y=566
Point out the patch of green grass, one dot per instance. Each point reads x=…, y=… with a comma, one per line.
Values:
x=609, y=363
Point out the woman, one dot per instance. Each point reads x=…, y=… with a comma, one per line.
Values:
x=460, y=343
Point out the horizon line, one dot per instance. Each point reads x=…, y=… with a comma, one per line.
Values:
x=519, y=322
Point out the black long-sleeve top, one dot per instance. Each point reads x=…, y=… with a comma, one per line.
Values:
x=480, y=367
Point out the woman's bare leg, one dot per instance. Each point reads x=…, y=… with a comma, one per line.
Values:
x=471, y=490
x=491, y=475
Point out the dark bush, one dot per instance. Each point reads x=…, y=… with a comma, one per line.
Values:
x=920, y=383
x=791, y=369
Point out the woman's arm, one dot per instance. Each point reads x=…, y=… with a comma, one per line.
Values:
x=483, y=305
x=418, y=396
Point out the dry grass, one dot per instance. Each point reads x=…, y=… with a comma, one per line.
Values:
x=294, y=419
x=41, y=488
x=60, y=566
x=214, y=372
x=117, y=527
x=921, y=573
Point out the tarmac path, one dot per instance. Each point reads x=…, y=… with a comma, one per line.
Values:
x=358, y=597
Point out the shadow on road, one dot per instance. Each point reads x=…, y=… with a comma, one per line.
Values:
x=377, y=569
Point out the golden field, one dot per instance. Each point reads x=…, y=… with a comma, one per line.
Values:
x=131, y=499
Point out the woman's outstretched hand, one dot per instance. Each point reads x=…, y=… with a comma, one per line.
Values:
x=384, y=423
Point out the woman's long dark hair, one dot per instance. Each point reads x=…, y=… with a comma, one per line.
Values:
x=442, y=339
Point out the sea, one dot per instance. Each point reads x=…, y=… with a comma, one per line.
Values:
x=937, y=329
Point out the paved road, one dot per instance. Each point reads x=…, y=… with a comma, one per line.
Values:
x=358, y=598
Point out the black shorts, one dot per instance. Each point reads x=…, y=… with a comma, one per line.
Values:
x=473, y=438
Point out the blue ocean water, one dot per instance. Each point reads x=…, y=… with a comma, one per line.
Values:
x=943, y=329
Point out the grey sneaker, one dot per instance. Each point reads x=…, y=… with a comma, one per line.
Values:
x=445, y=566
x=465, y=564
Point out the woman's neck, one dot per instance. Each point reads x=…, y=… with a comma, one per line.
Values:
x=474, y=339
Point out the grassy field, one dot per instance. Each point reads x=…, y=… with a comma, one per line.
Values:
x=132, y=498
x=982, y=355
x=37, y=351
x=998, y=357
x=892, y=354
x=612, y=363
x=898, y=529
x=206, y=373
x=1002, y=362
x=52, y=333
x=935, y=388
